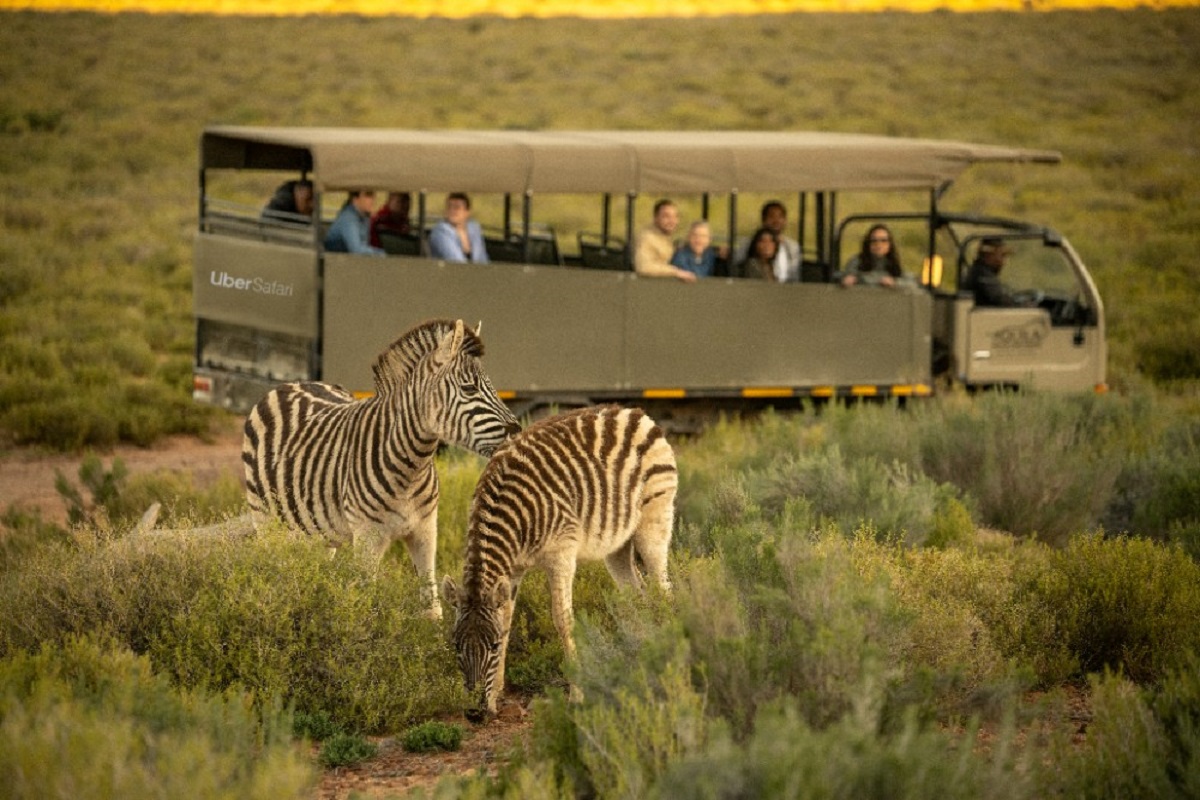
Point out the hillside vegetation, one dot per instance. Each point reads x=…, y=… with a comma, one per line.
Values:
x=100, y=117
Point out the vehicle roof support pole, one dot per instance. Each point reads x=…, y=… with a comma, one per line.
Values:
x=819, y=227
x=605, y=218
x=801, y=214
x=933, y=221
x=732, y=221
x=704, y=206
x=507, y=215
x=630, y=202
x=203, y=198
x=526, y=215
x=421, y=223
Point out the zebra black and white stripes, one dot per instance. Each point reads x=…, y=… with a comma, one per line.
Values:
x=362, y=471
x=598, y=483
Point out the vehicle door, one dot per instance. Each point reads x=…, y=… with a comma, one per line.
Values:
x=1052, y=336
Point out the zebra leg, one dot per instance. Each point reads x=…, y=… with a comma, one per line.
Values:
x=653, y=536
x=561, y=574
x=621, y=567
x=421, y=543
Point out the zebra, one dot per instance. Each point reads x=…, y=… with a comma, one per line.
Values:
x=593, y=483
x=362, y=471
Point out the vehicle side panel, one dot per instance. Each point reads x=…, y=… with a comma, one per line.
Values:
x=581, y=331
x=257, y=284
x=730, y=334
x=546, y=329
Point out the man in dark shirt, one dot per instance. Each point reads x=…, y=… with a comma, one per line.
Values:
x=983, y=277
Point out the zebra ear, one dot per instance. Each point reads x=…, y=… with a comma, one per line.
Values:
x=479, y=328
x=450, y=591
x=449, y=347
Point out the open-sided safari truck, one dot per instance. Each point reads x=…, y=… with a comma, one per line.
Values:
x=567, y=321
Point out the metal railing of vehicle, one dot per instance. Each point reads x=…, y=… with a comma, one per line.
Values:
x=238, y=219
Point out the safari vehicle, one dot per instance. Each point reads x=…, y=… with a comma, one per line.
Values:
x=566, y=319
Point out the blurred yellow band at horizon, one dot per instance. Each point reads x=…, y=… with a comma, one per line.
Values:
x=596, y=9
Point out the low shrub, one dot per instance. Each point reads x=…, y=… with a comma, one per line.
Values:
x=86, y=719
x=316, y=726
x=430, y=736
x=344, y=749
x=1140, y=742
x=1124, y=604
x=271, y=612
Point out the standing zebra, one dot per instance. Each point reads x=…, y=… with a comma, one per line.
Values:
x=362, y=471
x=590, y=484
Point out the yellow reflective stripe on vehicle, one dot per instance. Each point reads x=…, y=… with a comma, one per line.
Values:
x=663, y=394
x=823, y=391
x=915, y=390
x=864, y=391
x=507, y=395
x=363, y=395
x=768, y=391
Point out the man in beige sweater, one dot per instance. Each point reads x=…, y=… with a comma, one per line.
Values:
x=652, y=258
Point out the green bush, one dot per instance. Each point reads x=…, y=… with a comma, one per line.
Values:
x=92, y=720
x=1140, y=743
x=430, y=736
x=270, y=612
x=1124, y=604
x=317, y=726
x=344, y=749
x=787, y=757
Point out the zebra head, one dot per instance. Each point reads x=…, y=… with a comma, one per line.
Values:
x=467, y=412
x=480, y=639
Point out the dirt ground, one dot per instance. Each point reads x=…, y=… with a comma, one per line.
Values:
x=394, y=772
x=27, y=476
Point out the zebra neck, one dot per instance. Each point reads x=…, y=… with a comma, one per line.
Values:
x=484, y=568
x=404, y=443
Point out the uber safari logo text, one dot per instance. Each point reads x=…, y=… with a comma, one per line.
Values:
x=224, y=280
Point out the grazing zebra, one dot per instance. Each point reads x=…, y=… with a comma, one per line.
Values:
x=362, y=471
x=590, y=484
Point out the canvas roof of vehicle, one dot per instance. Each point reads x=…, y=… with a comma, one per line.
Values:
x=617, y=162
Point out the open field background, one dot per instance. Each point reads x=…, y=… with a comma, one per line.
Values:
x=100, y=116
x=858, y=594
x=599, y=9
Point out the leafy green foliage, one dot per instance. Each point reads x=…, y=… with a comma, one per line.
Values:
x=1125, y=604
x=271, y=612
x=91, y=719
x=344, y=749
x=317, y=726
x=430, y=736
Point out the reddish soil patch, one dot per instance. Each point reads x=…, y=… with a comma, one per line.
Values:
x=395, y=772
x=27, y=476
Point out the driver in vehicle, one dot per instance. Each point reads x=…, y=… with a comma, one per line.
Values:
x=983, y=277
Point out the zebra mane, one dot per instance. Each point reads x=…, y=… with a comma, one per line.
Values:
x=396, y=363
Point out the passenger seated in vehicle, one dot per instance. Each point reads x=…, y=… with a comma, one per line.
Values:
x=698, y=255
x=877, y=262
x=983, y=277
x=787, y=256
x=291, y=197
x=457, y=237
x=348, y=233
x=760, y=263
x=654, y=246
x=392, y=217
